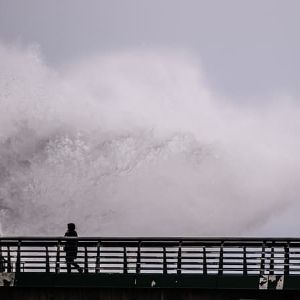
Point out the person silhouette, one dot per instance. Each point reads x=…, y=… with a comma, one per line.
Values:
x=71, y=249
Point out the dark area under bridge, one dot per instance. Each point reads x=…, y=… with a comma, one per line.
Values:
x=188, y=268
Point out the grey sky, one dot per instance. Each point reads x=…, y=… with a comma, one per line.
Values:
x=233, y=161
x=246, y=47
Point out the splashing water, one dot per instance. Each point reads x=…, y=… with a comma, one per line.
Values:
x=136, y=144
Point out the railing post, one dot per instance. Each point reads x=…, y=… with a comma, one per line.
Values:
x=86, y=260
x=165, y=265
x=138, y=258
x=98, y=258
x=272, y=262
x=244, y=260
x=286, y=259
x=179, y=259
x=47, y=260
x=204, y=261
x=2, y=262
x=125, y=261
x=57, y=263
x=221, y=259
x=18, y=262
x=262, y=261
x=9, y=267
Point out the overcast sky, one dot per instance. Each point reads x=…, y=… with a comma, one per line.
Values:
x=247, y=48
x=249, y=52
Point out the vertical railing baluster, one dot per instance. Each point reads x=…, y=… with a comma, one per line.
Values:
x=2, y=262
x=9, y=266
x=57, y=263
x=221, y=260
x=165, y=265
x=204, y=261
x=262, y=261
x=286, y=259
x=179, y=259
x=86, y=260
x=244, y=260
x=18, y=262
x=98, y=257
x=125, y=261
x=47, y=260
x=138, y=258
x=272, y=260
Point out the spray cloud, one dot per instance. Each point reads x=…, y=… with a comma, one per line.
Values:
x=135, y=143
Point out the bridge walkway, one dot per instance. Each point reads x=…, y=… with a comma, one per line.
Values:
x=206, y=263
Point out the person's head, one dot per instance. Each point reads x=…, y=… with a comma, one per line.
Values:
x=71, y=226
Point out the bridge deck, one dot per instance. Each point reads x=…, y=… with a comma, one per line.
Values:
x=252, y=263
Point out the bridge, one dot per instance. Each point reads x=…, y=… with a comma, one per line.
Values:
x=159, y=266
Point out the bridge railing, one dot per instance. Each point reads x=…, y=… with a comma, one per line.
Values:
x=203, y=256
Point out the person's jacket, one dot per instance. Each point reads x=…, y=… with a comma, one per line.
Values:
x=71, y=246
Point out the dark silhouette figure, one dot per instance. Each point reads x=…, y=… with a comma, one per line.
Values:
x=71, y=249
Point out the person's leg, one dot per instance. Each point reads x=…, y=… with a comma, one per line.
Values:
x=76, y=265
x=69, y=261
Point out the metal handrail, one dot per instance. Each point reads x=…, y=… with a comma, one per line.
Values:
x=169, y=255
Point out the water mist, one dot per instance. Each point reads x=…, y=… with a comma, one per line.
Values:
x=136, y=143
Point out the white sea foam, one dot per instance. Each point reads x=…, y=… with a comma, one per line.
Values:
x=137, y=144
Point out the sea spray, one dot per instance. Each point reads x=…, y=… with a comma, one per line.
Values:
x=135, y=143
